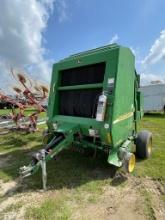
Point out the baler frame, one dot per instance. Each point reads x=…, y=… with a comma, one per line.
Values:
x=117, y=132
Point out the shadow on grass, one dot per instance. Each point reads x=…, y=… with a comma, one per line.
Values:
x=69, y=169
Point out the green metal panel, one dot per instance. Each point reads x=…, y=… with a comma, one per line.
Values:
x=123, y=105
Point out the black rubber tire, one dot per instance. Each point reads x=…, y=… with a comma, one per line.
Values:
x=143, y=141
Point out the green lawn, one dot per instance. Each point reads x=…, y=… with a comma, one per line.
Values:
x=18, y=148
x=72, y=174
x=4, y=111
x=27, y=112
x=155, y=166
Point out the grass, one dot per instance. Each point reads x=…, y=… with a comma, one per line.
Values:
x=13, y=207
x=19, y=147
x=11, y=210
x=50, y=209
x=154, y=167
x=148, y=206
x=15, y=149
x=77, y=179
x=4, y=111
x=26, y=112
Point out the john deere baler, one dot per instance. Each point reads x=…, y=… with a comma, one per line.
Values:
x=95, y=102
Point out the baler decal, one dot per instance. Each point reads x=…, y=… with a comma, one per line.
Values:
x=123, y=117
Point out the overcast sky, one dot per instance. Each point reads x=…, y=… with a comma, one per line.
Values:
x=36, y=33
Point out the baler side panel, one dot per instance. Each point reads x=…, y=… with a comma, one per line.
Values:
x=123, y=107
x=110, y=74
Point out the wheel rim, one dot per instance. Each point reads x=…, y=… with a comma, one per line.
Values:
x=131, y=163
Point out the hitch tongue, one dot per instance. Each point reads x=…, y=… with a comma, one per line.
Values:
x=26, y=171
x=40, y=158
x=43, y=166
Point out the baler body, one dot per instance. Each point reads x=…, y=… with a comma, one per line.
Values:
x=76, y=86
x=78, y=81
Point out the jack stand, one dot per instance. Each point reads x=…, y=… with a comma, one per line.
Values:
x=43, y=166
